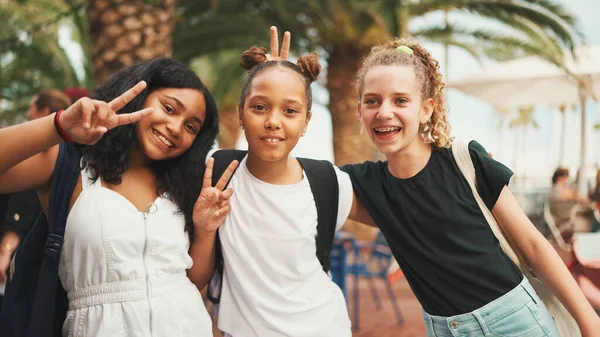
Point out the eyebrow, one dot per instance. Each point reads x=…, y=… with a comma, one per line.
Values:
x=268, y=98
x=394, y=94
x=197, y=120
x=181, y=106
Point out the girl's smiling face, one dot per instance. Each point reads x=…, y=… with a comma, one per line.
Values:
x=391, y=107
x=173, y=127
x=275, y=113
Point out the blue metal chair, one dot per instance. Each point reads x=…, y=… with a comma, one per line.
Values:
x=339, y=268
x=373, y=266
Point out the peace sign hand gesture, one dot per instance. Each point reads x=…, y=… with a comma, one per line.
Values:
x=275, y=55
x=87, y=120
x=212, y=205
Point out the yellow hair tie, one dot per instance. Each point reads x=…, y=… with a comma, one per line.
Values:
x=405, y=49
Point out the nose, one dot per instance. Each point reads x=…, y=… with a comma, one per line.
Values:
x=273, y=121
x=385, y=111
x=174, y=127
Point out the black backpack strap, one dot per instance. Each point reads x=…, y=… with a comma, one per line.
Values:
x=222, y=160
x=324, y=184
x=64, y=178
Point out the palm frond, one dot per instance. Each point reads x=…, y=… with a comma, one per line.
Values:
x=550, y=16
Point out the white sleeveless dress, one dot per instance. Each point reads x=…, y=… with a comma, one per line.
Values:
x=125, y=271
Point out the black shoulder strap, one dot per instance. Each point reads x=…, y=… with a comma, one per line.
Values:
x=64, y=178
x=325, y=188
x=222, y=159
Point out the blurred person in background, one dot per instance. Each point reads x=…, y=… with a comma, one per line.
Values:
x=75, y=93
x=562, y=197
x=22, y=208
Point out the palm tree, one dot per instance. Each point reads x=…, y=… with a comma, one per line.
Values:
x=346, y=29
x=126, y=32
x=223, y=75
x=30, y=56
x=523, y=119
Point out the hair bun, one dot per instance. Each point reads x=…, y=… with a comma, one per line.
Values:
x=310, y=66
x=253, y=57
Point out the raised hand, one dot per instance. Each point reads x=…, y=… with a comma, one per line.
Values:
x=275, y=55
x=87, y=120
x=212, y=205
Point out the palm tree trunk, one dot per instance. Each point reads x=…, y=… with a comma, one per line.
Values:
x=127, y=32
x=350, y=145
x=229, y=129
x=563, y=131
x=404, y=18
x=582, y=182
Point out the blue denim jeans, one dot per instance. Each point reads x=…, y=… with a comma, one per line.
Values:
x=518, y=313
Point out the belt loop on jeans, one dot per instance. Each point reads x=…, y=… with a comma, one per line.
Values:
x=482, y=325
x=429, y=323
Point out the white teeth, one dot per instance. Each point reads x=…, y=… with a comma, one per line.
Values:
x=163, y=139
x=388, y=129
x=272, y=140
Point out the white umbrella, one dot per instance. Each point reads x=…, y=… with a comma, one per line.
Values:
x=533, y=81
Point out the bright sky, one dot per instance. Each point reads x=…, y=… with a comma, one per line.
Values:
x=473, y=119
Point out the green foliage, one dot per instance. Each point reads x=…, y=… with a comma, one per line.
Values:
x=30, y=56
x=509, y=29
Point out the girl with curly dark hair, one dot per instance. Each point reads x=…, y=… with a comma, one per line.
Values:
x=135, y=253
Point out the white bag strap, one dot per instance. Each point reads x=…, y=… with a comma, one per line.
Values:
x=565, y=322
x=462, y=156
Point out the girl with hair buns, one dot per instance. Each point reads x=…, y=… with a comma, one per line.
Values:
x=273, y=283
x=425, y=208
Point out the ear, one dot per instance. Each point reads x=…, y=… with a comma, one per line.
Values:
x=308, y=117
x=240, y=110
x=427, y=110
x=359, y=110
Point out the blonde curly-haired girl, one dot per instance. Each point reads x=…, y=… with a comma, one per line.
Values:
x=425, y=208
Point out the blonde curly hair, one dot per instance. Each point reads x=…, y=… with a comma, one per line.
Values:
x=436, y=130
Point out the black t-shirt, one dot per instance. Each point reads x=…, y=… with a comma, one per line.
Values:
x=437, y=233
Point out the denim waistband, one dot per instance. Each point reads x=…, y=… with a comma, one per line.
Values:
x=475, y=321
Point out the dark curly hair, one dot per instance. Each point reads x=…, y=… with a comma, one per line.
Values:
x=179, y=178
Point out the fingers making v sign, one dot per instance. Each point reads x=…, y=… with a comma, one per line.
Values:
x=87, y=120
x=212, y=205
x=275, y=54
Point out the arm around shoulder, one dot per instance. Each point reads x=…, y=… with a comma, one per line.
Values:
x=350, y=207
x=359, y=213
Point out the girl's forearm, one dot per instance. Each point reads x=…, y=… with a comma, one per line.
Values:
x=548, y=266
x=22, y=141
x=203, y=254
